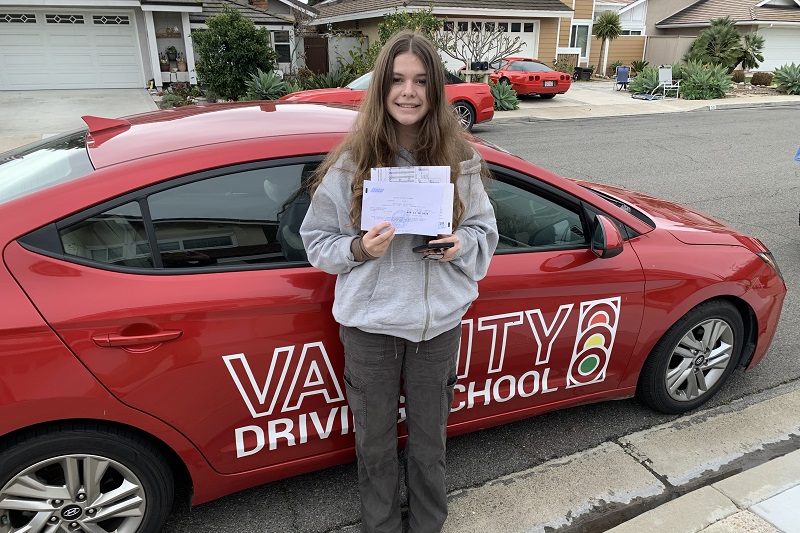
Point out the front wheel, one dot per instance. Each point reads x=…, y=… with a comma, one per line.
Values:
x=465, y=114
x=693, y=359
x=83, y=477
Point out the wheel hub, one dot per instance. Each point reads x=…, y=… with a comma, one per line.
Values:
x=71, y=512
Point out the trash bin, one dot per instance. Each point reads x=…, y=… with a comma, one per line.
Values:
x=581, y=73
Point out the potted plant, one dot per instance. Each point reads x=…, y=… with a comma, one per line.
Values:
x=172, y=53
x=163, y=63
x=181, y=62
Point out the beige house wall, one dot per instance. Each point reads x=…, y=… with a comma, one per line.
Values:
x=658, y=10
x=626, y=49
x=548, y=36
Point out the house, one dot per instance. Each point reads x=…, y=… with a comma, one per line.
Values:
x=86, y=44
x=778, y=21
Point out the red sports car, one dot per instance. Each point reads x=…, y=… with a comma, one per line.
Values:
x=161, y=327
x=530, y=76
x=473, y=102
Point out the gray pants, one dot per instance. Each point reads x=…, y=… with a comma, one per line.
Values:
x=374, y=366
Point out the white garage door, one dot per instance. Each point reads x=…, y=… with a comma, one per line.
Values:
x=62, y=49
x=526, y=31
x=780, y=47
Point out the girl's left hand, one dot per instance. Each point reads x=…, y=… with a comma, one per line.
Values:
x=449, y=253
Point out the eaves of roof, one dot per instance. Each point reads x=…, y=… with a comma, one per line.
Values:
x=216, y=7
x=341, y=10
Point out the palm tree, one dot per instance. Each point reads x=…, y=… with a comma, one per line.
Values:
x=606, y=27
x=720, y=44
x=752, y=47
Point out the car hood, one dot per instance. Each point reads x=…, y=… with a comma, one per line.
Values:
x=317, y=95
x=684, y=223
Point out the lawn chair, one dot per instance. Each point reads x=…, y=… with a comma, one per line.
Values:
x=623, y=78
x=665, y=83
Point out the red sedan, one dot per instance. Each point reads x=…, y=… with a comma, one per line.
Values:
x=473, y=102
x=161, y=327
x=530, y=76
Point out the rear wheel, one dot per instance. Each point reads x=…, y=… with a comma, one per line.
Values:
x=465, y=114
x=83, y=477
x=693, y=359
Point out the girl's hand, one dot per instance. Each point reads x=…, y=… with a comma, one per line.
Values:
x=449, y=253
x=376, y=240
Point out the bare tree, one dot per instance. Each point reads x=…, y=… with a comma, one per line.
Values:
x=466, y=43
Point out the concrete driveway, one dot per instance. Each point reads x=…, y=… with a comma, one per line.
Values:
x=30, y=115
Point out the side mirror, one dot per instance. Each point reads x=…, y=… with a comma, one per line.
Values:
x=606, y=239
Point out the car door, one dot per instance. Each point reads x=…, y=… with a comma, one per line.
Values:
x=225, y=334
x=553, y=322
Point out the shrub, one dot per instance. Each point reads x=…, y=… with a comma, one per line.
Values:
x=638, y=66
x=705, y=82
x=645, y=81
x=171, y=100
x=265, y=86
x=612, y=68
x=230, y=50
x=738, y=76
x=505, y=98
x=787, y=78
x=761, y=78
x=333, y=79
x=564, y=65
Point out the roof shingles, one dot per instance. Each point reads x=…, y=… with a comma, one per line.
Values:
x=703, y=11
x=337, y=8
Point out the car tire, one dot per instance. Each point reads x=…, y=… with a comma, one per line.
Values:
x=465, y=114
x=693, y=359
x=546, y=96
x=505, y=80
x=65, y=456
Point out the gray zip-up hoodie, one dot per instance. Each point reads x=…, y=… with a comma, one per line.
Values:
x=399, y=293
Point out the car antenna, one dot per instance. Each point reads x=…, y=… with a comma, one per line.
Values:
x=98, y=124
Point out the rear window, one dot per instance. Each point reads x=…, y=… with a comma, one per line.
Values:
x=532, y=66
x=49, y=162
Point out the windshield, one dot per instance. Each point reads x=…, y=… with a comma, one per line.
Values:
x=43, y=164
x=360, y=84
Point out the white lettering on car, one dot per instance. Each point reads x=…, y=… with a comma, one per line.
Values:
x=313, y=375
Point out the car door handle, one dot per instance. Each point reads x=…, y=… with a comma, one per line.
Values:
x=112, y=341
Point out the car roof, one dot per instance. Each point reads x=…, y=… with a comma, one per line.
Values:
x=116, y=141
x=522, y=59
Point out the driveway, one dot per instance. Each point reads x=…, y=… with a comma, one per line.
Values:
x=30, y=115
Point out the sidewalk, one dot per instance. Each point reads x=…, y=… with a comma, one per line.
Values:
x=600, y=99
x=734, y=468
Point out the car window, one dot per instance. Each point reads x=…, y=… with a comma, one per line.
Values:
x=243, y=218
x=516, y=65
x=115, y=237
x=531, y=221
x=533, y=66
x=44, y=164
x=361, y=83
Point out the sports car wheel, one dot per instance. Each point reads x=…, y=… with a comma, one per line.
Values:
x=693, y=358
x=465, y=114
x=83, y=478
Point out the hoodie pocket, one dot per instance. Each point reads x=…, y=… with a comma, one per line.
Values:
x=398, y=296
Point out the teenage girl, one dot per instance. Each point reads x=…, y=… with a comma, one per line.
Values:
x=400, y=312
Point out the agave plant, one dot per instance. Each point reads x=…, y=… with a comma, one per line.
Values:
x=645, y=81
x=265, y=86
x=638, y=66
x=787, y=78
x=505, y=98
x=705, y=82
x=335, y=78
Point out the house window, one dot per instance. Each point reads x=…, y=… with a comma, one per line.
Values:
x=502, y=26
x=476, y=26
x=516, y=27
x=527, y=27
x=280, y=40
x=64, y=19
x=18, y=18
x=449, y=25
x=488, y=26
x=579, y=37
x=631, y=32
x=108, y=20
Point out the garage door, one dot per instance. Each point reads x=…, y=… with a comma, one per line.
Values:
x=62, y=49
x=780, y=47
x=526, y=31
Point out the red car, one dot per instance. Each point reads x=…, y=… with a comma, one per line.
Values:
x=160, y=326
x=530, y=76
x=473, y=102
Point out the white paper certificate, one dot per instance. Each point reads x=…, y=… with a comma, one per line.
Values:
x=436, y=176
x=410, y=207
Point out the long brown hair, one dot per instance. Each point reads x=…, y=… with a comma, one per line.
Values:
x=373, y=141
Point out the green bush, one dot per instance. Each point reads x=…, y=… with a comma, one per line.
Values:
x=564, y=65
x=230, y=50
x=787, y=78
x=171, y=100
x=761, y=78
x=333, y=79
x=638, y=66
x=265, y=86
x=505, y=98
x=645, y=81
x=612, y=68
x=705, y=82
